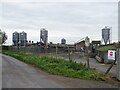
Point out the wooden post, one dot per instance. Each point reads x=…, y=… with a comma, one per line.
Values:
x=112, y=64
x=110, y=67
x=69, y=55
x=56, y=50
x=88, y=65
x=87, y=43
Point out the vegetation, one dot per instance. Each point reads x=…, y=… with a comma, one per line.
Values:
x=59, y=66
x=106, y=48
x=3, y=37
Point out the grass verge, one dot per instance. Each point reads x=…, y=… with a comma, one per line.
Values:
x=59, y=66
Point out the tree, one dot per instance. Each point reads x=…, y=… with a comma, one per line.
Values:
x=3, y=37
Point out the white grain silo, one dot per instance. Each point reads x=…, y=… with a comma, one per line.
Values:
x=22, y=38
x=15, y=37
x=106, y=35
x=44, y=36
x=63, y=41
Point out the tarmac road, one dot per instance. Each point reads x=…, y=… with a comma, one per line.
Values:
x=16, y=74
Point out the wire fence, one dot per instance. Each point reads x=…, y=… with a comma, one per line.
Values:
x=58, y=52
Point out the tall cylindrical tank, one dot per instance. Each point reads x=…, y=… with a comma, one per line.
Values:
x=15, y=38
x=22, y=38
x=106, y=34
x=63, y=41
x=44, y=36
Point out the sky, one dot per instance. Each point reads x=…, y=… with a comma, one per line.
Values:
x=72, y=20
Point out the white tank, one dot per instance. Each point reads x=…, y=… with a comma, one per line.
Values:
x=22, y=38
x=15, y=38
x=106, y=34
x=63, y=41
x=44, y=36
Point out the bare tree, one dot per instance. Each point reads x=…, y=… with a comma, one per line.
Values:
x=3, y=37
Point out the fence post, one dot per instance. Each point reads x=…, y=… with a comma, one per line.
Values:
x=88, y=65
x=56, y=50
x=87, y=43
x=69, y=56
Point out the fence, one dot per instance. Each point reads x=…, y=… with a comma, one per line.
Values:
x=59, y=52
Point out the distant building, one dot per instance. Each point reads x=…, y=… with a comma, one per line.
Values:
x=96, y=43
x=19, y=39
x=61, y=48
x=79, y=45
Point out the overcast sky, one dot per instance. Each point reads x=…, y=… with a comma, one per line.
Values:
x=69, y=20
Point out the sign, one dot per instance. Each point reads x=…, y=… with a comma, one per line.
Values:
x=111, y=54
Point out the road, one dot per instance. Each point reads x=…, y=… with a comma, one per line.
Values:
x=16, y=74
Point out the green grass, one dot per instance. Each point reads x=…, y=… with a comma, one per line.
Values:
x=106, y=48
x=59, y=66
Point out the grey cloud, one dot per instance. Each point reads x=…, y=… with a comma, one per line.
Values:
x=64, y=19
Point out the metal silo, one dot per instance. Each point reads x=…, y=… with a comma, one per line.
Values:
x=22, y=38
x=15, y=38
x=106, y=34
x=44, y=36
x=63, y=41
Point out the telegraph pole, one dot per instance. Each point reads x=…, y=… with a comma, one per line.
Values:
x=118, y=45
x=118, y=60
x=1, y=44
x=118, y=64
